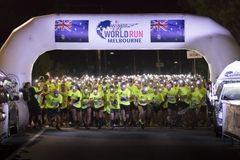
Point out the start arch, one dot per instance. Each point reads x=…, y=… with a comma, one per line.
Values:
x=117, y=32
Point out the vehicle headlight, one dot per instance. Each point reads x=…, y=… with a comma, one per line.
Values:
x=2, y=116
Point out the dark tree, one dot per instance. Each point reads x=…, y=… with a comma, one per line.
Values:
x=225, y=12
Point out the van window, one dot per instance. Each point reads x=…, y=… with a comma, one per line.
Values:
x=231, y=93
x=219, y=90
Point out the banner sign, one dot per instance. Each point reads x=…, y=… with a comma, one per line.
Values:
x=71, y=31
x=167, y=31
x=118, y=32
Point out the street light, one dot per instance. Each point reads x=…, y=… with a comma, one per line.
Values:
x=99, y=62
x=2, y=116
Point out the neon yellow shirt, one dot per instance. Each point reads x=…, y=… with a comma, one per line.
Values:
x=125, y=96
x=113, y=100
x=85, y=100
x=74, y=96
x=143, y=99
x=68, y=85
x=196, y=97
x=41, y=84
x=53, y=102
x=37, y=96
x=202, y=90
x=41, y=102
x=184, y=93
x=157, y=97
x=135, y=90
x=97, y=100
x=164, y=91
x=65, y=99
x=52, y=87
x=172, y=95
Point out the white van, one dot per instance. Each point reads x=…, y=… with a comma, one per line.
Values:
x=227, y=84
x=228, y=94
x=13, y=109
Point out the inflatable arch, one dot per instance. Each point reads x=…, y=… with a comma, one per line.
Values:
x=119, y=32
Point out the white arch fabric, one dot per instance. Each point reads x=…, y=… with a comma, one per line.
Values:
x=231, y=71
x=119, y=32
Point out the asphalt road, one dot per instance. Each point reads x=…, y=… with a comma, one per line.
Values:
x=121, y=144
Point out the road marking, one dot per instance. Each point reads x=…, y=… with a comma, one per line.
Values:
x=13, y=155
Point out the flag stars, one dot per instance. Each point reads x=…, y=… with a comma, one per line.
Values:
x=167, y=30
x=62, y=36
x=71, y=31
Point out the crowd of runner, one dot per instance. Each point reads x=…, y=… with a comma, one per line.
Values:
x=117, y=101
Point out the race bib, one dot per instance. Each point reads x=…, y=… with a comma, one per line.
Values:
x=54, y=103
x=98, y=103
x=171, y=98
x=114, y=103
x=85, y=103
x=194, y=102
x=124, y=99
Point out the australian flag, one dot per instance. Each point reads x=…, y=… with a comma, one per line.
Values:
x=71, y=30
x=167, y=31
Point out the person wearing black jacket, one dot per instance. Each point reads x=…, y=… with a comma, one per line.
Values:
x=29, y=94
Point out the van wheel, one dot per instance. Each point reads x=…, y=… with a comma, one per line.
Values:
x=15, y=128
x=217, y=129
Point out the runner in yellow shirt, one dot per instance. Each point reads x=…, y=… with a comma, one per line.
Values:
x=156, y=101
x=172, y=104
x=203, y=111
x=43, y=105
x=143, y=99
x=125, y=95
x=133, y=87
x=96, y=97
x=86, y=106
x=113, y=100
x=64, y=108
x=195, y=103
x=54, y=103
x=183, y=99
x=74, y=98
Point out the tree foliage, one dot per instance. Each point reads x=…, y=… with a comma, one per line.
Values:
x=225, y=12
x=43, y=65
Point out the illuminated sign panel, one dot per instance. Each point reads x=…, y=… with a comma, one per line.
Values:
x=120, y=31
x=71, y=31
x=167, y=31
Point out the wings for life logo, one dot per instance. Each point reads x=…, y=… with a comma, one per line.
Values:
x=115, y=32
x=232, y=74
